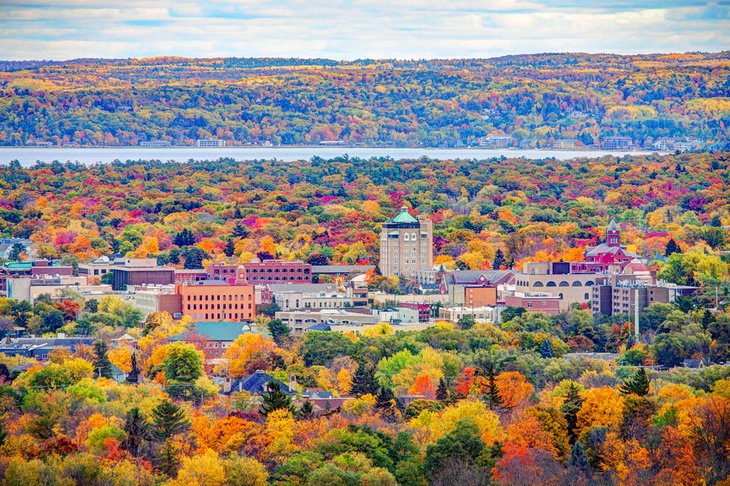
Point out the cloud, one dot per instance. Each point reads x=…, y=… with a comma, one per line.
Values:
x=350, y=29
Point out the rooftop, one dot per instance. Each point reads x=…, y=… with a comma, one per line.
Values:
x=404, y=216
x=217, y=331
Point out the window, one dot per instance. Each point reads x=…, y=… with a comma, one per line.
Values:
x=538, y=284
x=564, y=284
x=550, y=284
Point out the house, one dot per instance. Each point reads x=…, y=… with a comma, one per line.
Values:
x=474, y=288
x=254, y=384
x=214, y=337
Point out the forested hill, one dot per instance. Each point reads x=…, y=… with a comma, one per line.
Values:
x=537, y=99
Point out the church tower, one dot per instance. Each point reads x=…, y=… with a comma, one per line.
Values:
x=613, y=235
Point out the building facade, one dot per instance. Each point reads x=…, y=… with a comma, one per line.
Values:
x=39, y=269
x=406, y=246
x=277, y=271
x=217, y=301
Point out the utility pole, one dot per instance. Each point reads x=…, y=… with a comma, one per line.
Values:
x=636, y=315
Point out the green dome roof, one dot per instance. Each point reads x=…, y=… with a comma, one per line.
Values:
x=404, y=217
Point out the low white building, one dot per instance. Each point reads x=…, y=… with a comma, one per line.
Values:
x=481, y=314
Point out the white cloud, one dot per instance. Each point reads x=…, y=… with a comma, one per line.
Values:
x=349, y=29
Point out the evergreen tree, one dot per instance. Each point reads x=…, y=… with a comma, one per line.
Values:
x=240, y=231
x=385, y=399
x=230, y=248
x=101, y=359
x=237, y=213
x=275, y=398
x=16, y=252
x=364, y=382
x=137, y=429
x=194, y=257
x=442, y=392
x=466, y=322
x=168, y=420
x=546, y=348
x=579, y=459
x=492, y=398
x=672, y=247
x=133, y=376
x=637, y=384
x=167, y=460
x=306, y=411
x=499, y=260
x=280, y=332
x=184, y=238
x=3, y=433
x=570, y=408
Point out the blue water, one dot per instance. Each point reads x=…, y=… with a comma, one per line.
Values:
x=29, y=155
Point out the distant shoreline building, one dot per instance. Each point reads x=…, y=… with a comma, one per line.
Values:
x=406, y=245
x=210, y=142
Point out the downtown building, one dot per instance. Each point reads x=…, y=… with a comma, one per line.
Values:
x=406, y=246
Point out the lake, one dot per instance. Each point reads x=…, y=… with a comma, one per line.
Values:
x=29, y=155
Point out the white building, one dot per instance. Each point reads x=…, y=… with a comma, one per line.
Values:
x=406, y=246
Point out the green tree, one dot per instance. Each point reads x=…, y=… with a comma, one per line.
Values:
x=279, y=331
x=637, y=384
x=137, y=429
x=184, y=238
x=306, y=411
x=183, y=364
x=672, y=247
x=167, y=460
x=463, y=445
x=492, y=398
x=466, y=322
x=668, y=349
x=168, y=419
x=442, y=392
x=194, y=257
x=275, y=398
x=102, y=365
x=133, y=376
x=16, y=252
x=364, y=381
x=230, y=248
x=570, y=408
x=546, y=348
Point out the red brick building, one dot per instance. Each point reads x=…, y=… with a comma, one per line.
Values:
x=277, y=271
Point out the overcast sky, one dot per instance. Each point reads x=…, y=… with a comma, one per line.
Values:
x=352, y=29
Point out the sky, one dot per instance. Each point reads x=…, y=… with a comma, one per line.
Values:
x=356, y=29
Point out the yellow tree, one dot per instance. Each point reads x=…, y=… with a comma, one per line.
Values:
x=206, y=469
x=244, y=349
x=602, y=407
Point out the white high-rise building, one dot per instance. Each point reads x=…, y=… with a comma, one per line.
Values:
x=406, y=245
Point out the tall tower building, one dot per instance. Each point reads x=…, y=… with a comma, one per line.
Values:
x=406, y=245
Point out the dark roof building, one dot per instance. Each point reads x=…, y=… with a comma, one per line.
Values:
x=255, y=384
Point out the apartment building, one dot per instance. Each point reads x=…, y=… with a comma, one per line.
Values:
x=406, y=246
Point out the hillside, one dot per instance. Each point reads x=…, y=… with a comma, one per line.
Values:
x=537, y=99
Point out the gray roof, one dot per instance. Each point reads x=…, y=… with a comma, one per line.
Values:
x=612, y=226
x=304, y=287
x=491, y=277
x=256, y=383
x=339, y=269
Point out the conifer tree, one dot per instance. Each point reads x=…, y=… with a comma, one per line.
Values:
x=230, y=248
x=306, y=411
x=546, y=348
x=363, y=381
x=491, y=397
x=638, y=384
x=442, y=392
x=167, y=460
x=578, y=458
x=571, y=406
x=168, y=420
x=133, y=376
x=137, y=429
x=672, y=247
x=275, y=398
x=101, y=359
x=498, y=259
